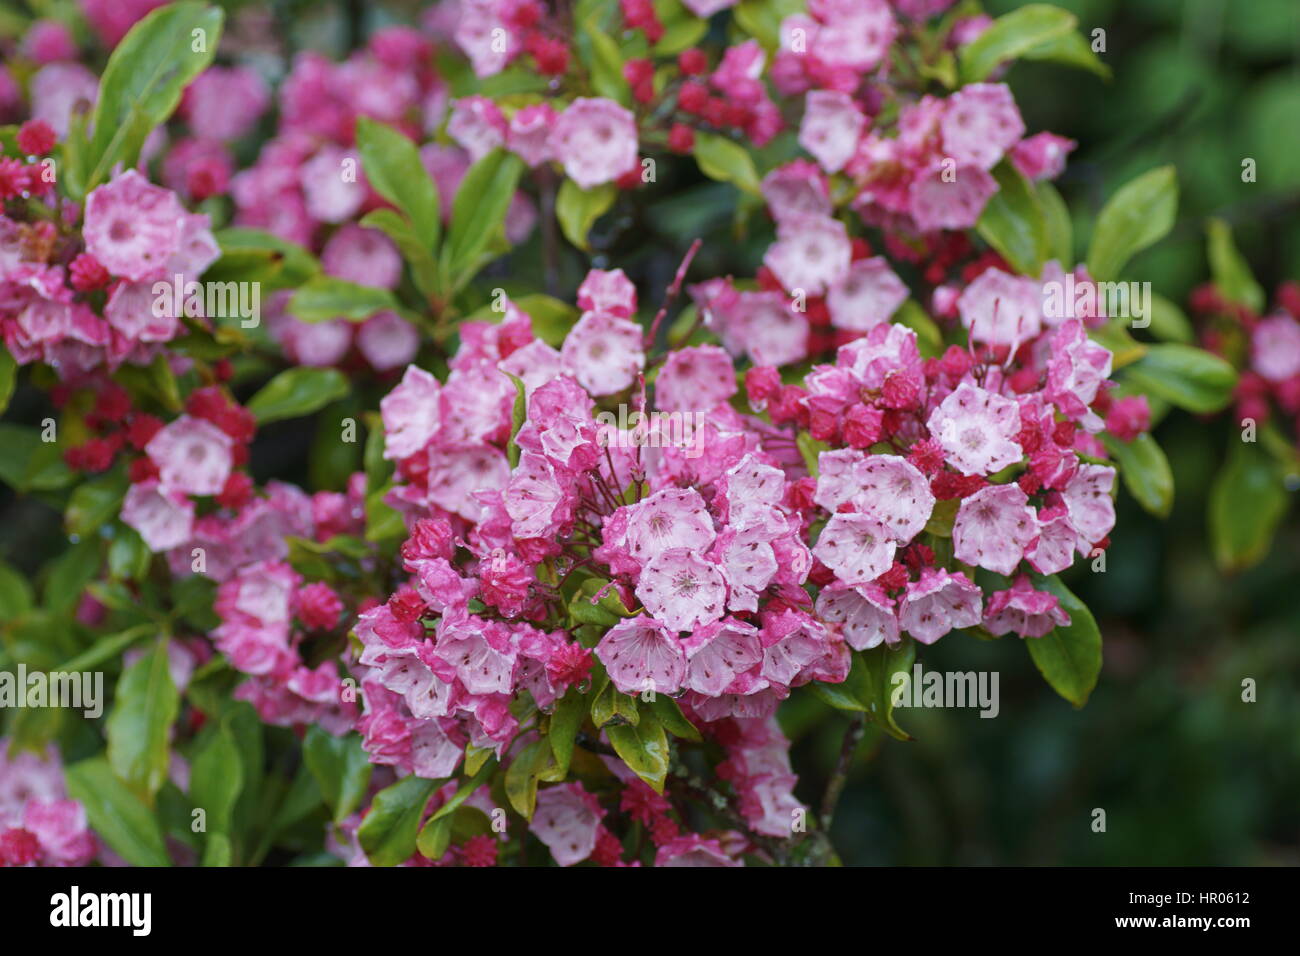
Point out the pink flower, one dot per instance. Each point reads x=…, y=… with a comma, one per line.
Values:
x=1001, y=309
x=361, y=255
x=640, y=654
x=717, y=653
x=530, y=133
x=224, y=103
x=192, y=456
x=607, y=291
x=977, y=430
x=796, y=189
x=691, y=849
x=478, y=125
x=895, y=493
x=1275, y=348
x=567, y=819
x=857, y=547
x=810, y=254
x=604, y=353
x=1088, y=501
x=411, y=413
x=940, y=199
x=332, y=185
x=133, y=227
x=1075, y=371
x=865, y=614
x=163, y=517
x=993, y=528
x=867, y=295
x=671, y=518
x=939, y=602
x=595, y=140
x=695, y=378
x=682, y=590
x=980, y=124
x=1042, y=156
x=1024, y=610
x=387, y=341
x=59, y=88
x=830, y=128
x=318, y=606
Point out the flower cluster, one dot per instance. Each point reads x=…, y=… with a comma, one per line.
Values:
x=39, y=825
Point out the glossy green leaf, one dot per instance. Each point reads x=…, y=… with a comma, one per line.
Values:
x=325, y=297
x=570, y=710
x=1140, y=214
x=341, y=767
x=1185, y=376
x=146, y=704
x=577, y=209
x=726, y=161
x=297, y=392
x=95, y=501
x=1013, y=222
x=1015, y=34
x=1232, y=275
x=116, y=814
x=522, y=774
x=1247, y=502
x=478, y=212
x=1146, y=472
x=643, y=747
x=392, y=165
x=388, y=833
x=1068, y=657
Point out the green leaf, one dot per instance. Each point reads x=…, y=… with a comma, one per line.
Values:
x=1013, y=222
x=216, y=778
x=388, y=833
x=1184, y=376
x=251, y=255
x=565, y=721
x=128, y=556
x=116, y=814
x=1139, y=214
x=424, y=267
x=8, y=377
x=69, y=574
x=1232, y=275
x=726, y=161
x=1169, y=323
x=518, y=415
x=94, y=502
x=1146, y=472
x=606, y=64
x=296, y=392
x=15, y=593
x=672, y=718
x=1028, y=28
x=761, y=19
x=1247, y=501
x=29, y=464
x=434, y=838
x=1069, y=49
x=145, y=706
x=465, y=791
x=341, y=768
x=577, y=209
x=643, y=747
x=144, y=79
x=522, y=774
x=1059, y=227
x=325, y=297
x=1069, y=657
x=393, y=166
x=478, y=212
x=881, y=667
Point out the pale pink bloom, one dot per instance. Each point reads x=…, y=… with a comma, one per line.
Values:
x=948, y=197
x=332, y=184
x=484, y=38
x=938, y=603
x=671, y=518
x=1053, y=552
x=693, y=850
x=1091, y=508
x=387, y=341
x=411, y=413
x=361, y=255
x=867, y=295
x=682, y=590
x=857, y=547
x=530, y=133
x=857, y=34
x=132, y=226
x=1042, y=156
x=224, y=103
x=162, y=517
x=894, y=492
x=457, y=475
x=595, y=140
x=567, y=820
x=58, y=89
x=192, y=455
x=478, y=125
x=810, y=254
x=993, y=528
x=538, y=498
x=1275, y=348
x=1023, y=610
x=640, y=654
x=830, y=128
x=608, y=291
x=977, y=430
x=1075, y=371
x=1001, y=309
x=604, y=353
x=796, y=189
x=980, y=124
x=695, y=378
x=717, y=653
x=866, y=614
